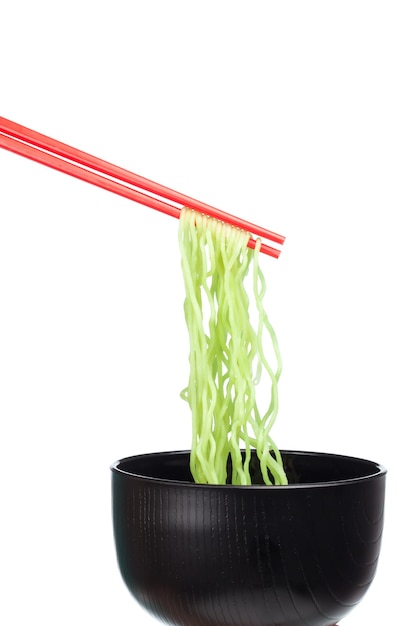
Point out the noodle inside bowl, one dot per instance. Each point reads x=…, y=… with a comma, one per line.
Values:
x=217, y=555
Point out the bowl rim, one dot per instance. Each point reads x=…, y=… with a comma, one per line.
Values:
x=378, y=471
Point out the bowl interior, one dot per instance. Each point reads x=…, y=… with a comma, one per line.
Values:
x=302, y=468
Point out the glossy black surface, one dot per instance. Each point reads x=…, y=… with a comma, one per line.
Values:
x=205, y=555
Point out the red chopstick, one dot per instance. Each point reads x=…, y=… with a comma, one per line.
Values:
x=81, y=165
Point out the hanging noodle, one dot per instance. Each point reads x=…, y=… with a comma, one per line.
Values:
x=226, y=354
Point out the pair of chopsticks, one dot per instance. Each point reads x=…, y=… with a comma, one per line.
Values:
x=59, y=156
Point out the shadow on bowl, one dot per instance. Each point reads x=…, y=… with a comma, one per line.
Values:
x=223, y=555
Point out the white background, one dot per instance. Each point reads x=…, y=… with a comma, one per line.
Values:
x=298, y=116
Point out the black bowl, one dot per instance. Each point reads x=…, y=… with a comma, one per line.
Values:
x=212, y=555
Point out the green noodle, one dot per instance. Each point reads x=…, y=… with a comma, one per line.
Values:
x=227, y=356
